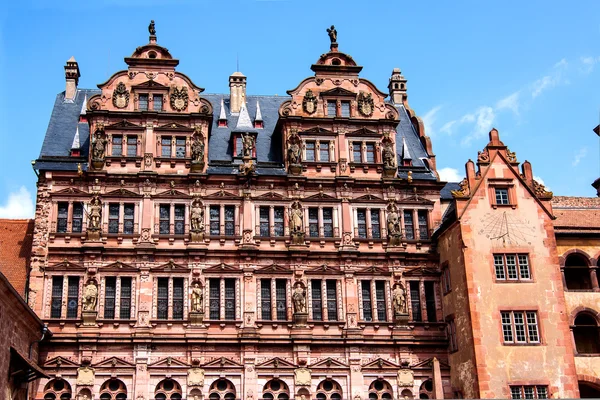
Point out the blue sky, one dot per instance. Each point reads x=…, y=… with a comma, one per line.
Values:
x=531, y=69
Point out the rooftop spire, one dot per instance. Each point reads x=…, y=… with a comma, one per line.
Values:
x=405, y=151
x=222, y=115
x=258, y=116
x=83, y=106
x=244, y=123
x=75, y=144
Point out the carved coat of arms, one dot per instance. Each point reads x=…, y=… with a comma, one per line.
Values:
x=365, y=104
x=309, y=103
x=120, y=97
x=179, y=98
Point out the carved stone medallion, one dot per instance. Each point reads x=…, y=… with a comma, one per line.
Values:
x=179, y=98
x=120, y=97
x=85, y=376
x=195, y=377
x=365, y=104
x=309, y=103
x=302, y=377
x=405, y=378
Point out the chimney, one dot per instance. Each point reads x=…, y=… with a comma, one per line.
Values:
x=237, y=91
x=397, y=87
x=72, y=76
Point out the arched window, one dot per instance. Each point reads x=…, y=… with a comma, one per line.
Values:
x=585, y=331
x=380, y=389
x=167, y=389
x=577, y=272
x=276, y=389
x=221, y=389
x=113, y=389
x=588, y=390
x=406, y=394
x=57, y=389
x=329, y=390
x=426, y=389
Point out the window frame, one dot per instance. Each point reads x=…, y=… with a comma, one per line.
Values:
x=219, y=294
x=518, y=268
x=525, y=327
x=327, y=298
x=522, y=395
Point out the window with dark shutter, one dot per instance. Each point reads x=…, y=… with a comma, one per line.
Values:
x=357, y=152
x=215, y=220
x=313, y=222
x=110, y=291
x=162, y=299
x=229, y=298
x=229, y=220
x=128, y=213
x=281, y=300
x=310, y=151
x=409, y=228
x=178, y=298
x=331, y=108
x=165, y=219
x=265, y=299
x=423, y=225
x=375, y=225
x=215, y=298
x=57, y=293
x=63, y=215
x=328, y=222
x=278, y=221
x=361, y=220
x=316, y=298
x=125, y=299
x=370, y=153
x=415, y=301
x=165, y=147
x=381, y=303
x=157, y=101
x=179, y=219
x=143, y=102
x=346, y=109
x=73, y=297
x=77, y=217
x=430, y=301
x=131, y=146
x=113, y=218
x=366, y=300
x=264, y=221
x=180, y=147
x=332, y=311
x=324, y=151
x=117, y=146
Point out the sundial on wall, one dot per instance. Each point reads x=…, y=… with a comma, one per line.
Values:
x=504, y=229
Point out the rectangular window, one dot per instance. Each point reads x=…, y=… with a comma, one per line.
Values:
x=180, y=147
x=332, y=311
x=178, y=298
x=423, y=225
x=409, y=229
x=229, y=220
x=375, y=224
x=278, y=221
x=361, y=221
x=328, y=222
x=73, y=297
x=165, y=147
x=125, y=299
x=143, y=102
x=131, y=146
x=313, y=222
x=63, y=216
x=310, y=151
x=520, y=327
x=77, y=224
x=324, y=151
x=239, y=146
x=113, y=218
x=165, y=219
x=128, y=218
x=415, y=300
x=110, y=297
x=366, y=300
x=57, y=293
x=264, y=221
x=317, y=300
x=501, y=196
x=281, y=299
x=346, y=109
x=430, y=301
x=357, y=152
x=446, y=284
x=215, y=298
x=380, y=297
x=452, y=339
x=179, y=219
x=229, y=298
x=331, y=108
x=265, y=299
x=370, y=152
x=529, y=392
x=117, y=146
x=162, y=299
x=512, y=267
x=157, y=101
x=215, y=220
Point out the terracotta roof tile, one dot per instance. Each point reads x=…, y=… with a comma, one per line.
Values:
x=16, y=236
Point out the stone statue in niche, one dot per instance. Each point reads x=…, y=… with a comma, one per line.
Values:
x=197, y=298
x=198, y=150
x=99, y=145
x=299, y=299
x=294, y=154
x=90, y=297
x=95, y=214
x=332, y=32
x=296, y=223
x=197, y=216
x=399, y=299
x=389, y=156
x=393, y=225
x=152, y=28
x=248, y=143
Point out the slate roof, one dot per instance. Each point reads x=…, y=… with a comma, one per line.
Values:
x=406, y=133
x=445, y=193
x=16, y=237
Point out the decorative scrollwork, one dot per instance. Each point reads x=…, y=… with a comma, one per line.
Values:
x=309, y=103
x=120, y=97
x=179, y=98
x=365, y=104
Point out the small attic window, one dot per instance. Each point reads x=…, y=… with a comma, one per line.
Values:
x=395, y=86
x=402, y=86
x=336, y=61
x=151, y=54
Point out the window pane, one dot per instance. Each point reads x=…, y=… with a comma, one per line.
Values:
x=380, y=296
x=331, y=108
x=324, y=151
x=177, y=298
x=165, y=219
x=215, y=298
x=430, y=301
x=215, y=220
x=370, y=153
x=229, y=220
x=519, y=327
x=229, y=298
x=264, y=221
x=366, y=300
x=317, y=303
x=357, y=152
x=63, y=213
x=57, y=292
x=117, y=145
x=125, y=300
x=73, y=297
x=501, y=196
x=165, y=145
x=332, y=311
x=375, y=224
x=346, y=109
x=328, y=222
x=532, y=327
x=499, y=266
x=113, y=218
x=528, y=392
x=157, y=99
x=310, y=151
x=313, y=222
x=423, y=225
x=542, y=392
x=511, y=266
x=524, y=266
x=361, y=221
x=265, y=299
x=77, y=217
x=507, y=326
x=515, y=392
x=143, y=102
x=415, y=301
x=180, y=147
x=179, y=219
x=128, y=214
x=409, y=229
x=278, y=223
x=162, y=299
x=280, y=297
x=109, y=297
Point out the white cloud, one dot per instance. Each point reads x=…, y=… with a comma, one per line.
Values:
x=579, y=156
x=588, y=64
x=484, y=119
x=449, y=175
x=549, y=81
x=509, y=102
x=19, y=205
x=429, y=119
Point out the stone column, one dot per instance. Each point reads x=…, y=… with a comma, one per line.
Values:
x=438, y=390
